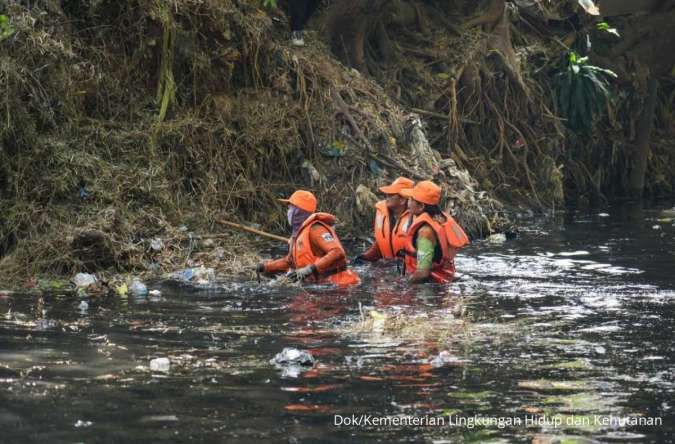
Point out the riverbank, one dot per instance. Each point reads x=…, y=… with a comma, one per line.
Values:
x=129, y=125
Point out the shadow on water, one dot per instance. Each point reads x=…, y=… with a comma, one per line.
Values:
x=570, y=323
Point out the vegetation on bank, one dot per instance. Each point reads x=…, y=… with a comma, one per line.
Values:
x=128, y=121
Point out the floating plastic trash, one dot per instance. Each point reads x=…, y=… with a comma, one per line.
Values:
x=498, y=238
x=138, y=288
x=445, y=358
x=160, y=365
x=290, y=355
x=198, y=275
x=84, y=280
x=292, y=362
x=83, y=306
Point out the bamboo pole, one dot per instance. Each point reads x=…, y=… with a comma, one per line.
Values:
x=252, y=230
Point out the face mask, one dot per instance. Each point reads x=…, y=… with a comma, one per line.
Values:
x=289, y=214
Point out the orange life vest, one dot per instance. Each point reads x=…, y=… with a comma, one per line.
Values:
x=302, y=254
x=451, y=238
x=389, y=241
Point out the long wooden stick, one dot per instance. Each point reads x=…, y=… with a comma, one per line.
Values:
x=252, y=230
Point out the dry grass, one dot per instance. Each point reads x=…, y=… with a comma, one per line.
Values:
x=85, y=108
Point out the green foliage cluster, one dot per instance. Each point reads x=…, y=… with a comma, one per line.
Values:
x=582, y=92
x=6, y=28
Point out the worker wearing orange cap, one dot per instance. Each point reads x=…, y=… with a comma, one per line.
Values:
x=433, y=239
x=315, y=253
x=392, y=220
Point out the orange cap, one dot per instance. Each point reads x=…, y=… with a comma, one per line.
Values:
x=426, y=192
x=303, y=200
x=396, y=186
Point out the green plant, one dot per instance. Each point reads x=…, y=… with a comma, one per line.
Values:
x=270, y=3
x=604, y=26
x=582, y=92
x=6, y=28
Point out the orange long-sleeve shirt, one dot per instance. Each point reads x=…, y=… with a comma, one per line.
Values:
x=372, y=254
x=330, y=254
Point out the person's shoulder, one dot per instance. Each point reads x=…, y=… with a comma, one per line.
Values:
x=426, y=232
x=320, y=231
x=318, y=226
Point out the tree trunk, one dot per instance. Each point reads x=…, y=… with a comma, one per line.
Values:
x=643, y=133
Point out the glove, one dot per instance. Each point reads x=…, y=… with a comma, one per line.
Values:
x=301, y=273
x=260, y=268
x=358, y=260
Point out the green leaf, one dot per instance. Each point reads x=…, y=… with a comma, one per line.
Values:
x=6, y=28
x=582, y=92
x=604, y=26
x=270, y=3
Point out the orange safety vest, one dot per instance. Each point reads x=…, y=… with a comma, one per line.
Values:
x=451, y=238
x=389, y=241
x=302, y=254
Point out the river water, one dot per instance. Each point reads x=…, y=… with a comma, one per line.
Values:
x=564, y=334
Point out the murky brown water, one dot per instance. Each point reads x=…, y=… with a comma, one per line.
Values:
x=568, y=325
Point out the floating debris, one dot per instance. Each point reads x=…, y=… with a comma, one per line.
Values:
x=122, y=290
x=293, y=362
x=84, y=280
x=291, y=355
x=497, y=238
x=83, y=307
x=445, y=358
x=160, y=365
x=197, y=275
x=138, y=288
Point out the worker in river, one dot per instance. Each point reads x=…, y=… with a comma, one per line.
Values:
x=433, y=239
x=392, y=220
x=315, y=253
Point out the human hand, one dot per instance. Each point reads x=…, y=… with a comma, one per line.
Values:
x=301, y=273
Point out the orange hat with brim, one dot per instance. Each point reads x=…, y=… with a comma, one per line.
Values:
x=303, y=200
x=426, y=192
x=397, y=186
